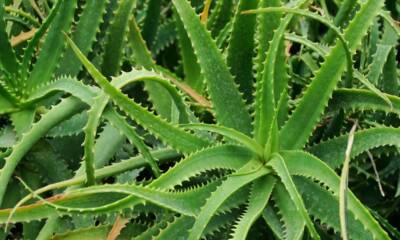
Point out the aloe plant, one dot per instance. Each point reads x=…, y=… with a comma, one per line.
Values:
x=130, y=119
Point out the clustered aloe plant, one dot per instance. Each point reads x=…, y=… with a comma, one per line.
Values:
x=158, y=119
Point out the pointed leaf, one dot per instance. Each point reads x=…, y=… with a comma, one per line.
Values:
x=173, y=135
x=304, y=164
x=278, y=164
x=226, y=189
x=220, y=82
x=312, y=104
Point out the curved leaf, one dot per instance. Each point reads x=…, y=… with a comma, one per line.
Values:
x=351, y=99
x=230, y=133
x=293, y=223
x=62, y=111
x=332, y=151
x=172, y=135
x=303, y=164
x=227, y=188
x=279, y=165
x=258, y=199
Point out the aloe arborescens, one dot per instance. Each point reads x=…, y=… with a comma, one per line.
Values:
x=243, y=136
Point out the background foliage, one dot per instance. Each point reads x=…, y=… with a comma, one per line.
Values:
x=215, y=119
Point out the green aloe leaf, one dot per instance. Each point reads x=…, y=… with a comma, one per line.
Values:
x=60, y=112
x=242, y=37
x=53, y=46
x=84, y=35
x=116, y=35
x=185, y=142
x=8, y=59
x=304, y=164
x=279, y=165
x=191, y=67
x=312, y=104
x=293, y=223
x=220, y=83
x=259, y=196
x=226, y=189
x=332, y=151
x=151, y=21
